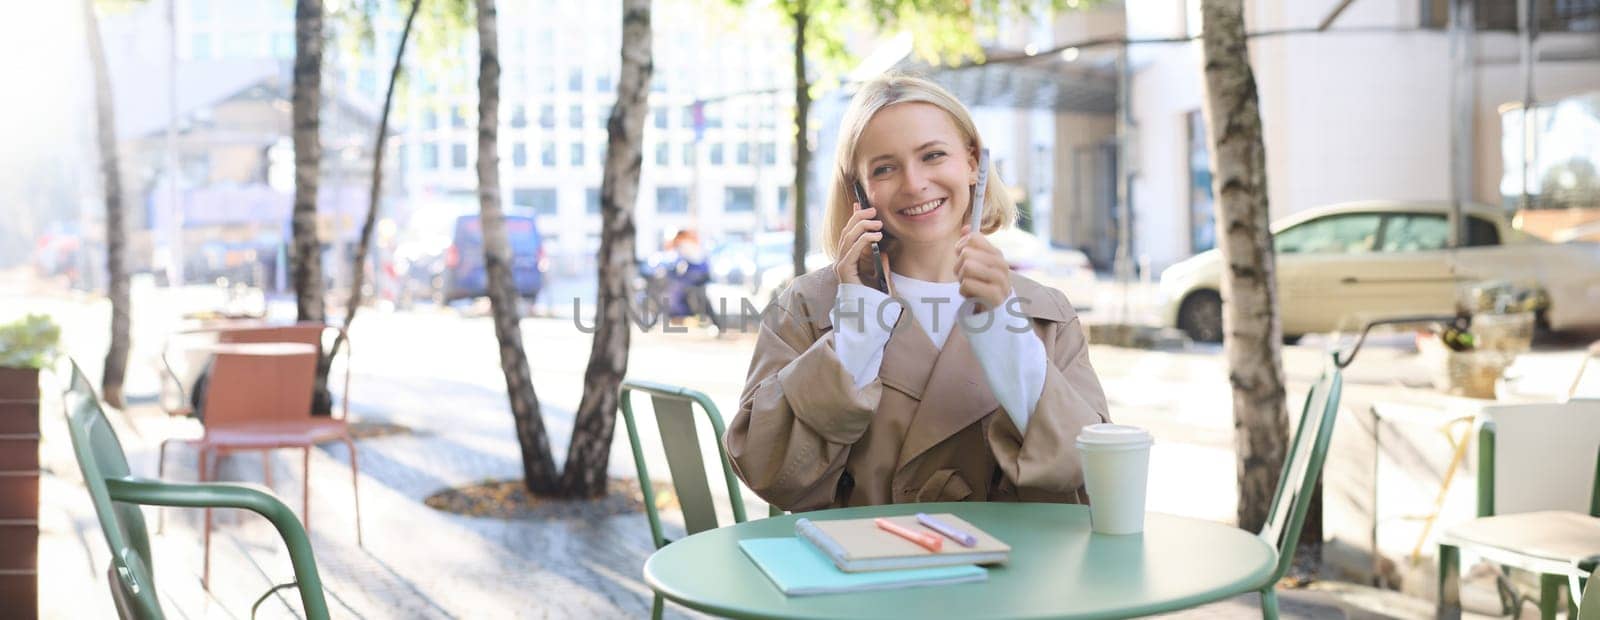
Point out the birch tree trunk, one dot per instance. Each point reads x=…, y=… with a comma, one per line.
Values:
x=1252, y=331
x=116, y=366
x=358, y=268
x=587, y=456
x=800, y=12
x=538, y=466
x=306, y=257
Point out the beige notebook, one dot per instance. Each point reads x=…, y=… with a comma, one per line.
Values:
x=857, y=545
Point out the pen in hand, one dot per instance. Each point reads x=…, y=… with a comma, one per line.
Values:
x=949, y=531
x=922, y=539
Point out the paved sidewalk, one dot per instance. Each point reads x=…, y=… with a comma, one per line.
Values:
x=420, y=562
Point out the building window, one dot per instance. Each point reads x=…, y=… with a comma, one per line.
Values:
x=575, y=117
x=672, y=200
x=602, y=83
x=544, y=79
x=519, y=116
x=547, y=155
x=1553, y=15
x=458, y=117
x=716, y=154
x=661, y=117
x=739, y=199
x=547, y=116
x=542, y=200
x=458, y=155
x=1202, y=217
x=687, y=122
x=430, y=118
x=689, y=154
x=661, y=154
x=602, y=116
x=577, y=155
x=430, y=156
x=769, y=153
x=742, y=154
x=591, y=200
x=575, y=80
x=200, y=46
x=283, y=45
x=783, y=201
x=519, y=155
x=200, y=10
x=713, y=117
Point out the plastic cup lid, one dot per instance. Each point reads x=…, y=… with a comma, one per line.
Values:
x=1118, y=435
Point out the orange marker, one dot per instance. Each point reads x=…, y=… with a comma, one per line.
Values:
x=922, y=539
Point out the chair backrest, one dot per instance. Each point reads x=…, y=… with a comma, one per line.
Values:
x=100, y=456
x=252, y=383
x=1302, y=465
x=1522, y=447
x=305, y=332
x=674, y=408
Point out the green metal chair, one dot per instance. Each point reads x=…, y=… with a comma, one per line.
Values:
x=117, y=497
x=674, y=409
x=1538, y=504
x=1589, y=609
x=1298, y=480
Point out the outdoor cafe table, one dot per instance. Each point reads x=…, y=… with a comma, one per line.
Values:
x=1057, y=569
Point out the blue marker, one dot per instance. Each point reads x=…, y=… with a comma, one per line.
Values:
x=966, y=539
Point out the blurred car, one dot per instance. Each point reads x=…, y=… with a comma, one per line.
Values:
x=465, y=276
x=421, y=245
x=1361, y=260
x=419, y=273
x=1063, y=269
x=777, y=277
x=738, y=262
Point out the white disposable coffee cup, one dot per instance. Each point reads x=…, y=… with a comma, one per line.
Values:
x=1116, y=468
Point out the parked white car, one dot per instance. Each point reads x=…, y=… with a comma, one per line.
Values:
x=1063, y=269
x=1356, y=261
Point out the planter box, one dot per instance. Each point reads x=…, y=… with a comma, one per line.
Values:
x=1501, y=337
x=19, y=384
x=19, y=492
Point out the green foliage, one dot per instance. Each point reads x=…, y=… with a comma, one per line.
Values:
x=29, y=343
x=943, y=31
x=442, y=28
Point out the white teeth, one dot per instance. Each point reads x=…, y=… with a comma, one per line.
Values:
x=924, y=207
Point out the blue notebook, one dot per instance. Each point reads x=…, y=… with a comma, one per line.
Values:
x=798, y=569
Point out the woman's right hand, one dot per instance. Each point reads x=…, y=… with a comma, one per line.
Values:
x=860, y=232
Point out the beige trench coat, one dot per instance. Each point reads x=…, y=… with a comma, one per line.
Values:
x=927, y=429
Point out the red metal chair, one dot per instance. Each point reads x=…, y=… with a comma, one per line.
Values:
x=259, y=398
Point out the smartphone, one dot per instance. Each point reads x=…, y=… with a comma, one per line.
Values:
x=879, y=279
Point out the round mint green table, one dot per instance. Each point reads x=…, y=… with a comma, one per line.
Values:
x=1058, y=568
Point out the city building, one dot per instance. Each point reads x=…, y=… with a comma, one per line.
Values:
x=718, y=145
x=221, y=204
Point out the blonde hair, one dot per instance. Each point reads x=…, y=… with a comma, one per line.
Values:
x=884, y=91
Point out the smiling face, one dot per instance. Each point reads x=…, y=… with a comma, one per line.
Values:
x=918, y=171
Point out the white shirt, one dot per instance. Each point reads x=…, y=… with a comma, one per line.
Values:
x=1010, y=353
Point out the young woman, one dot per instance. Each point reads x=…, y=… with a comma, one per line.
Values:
x=970, y=383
